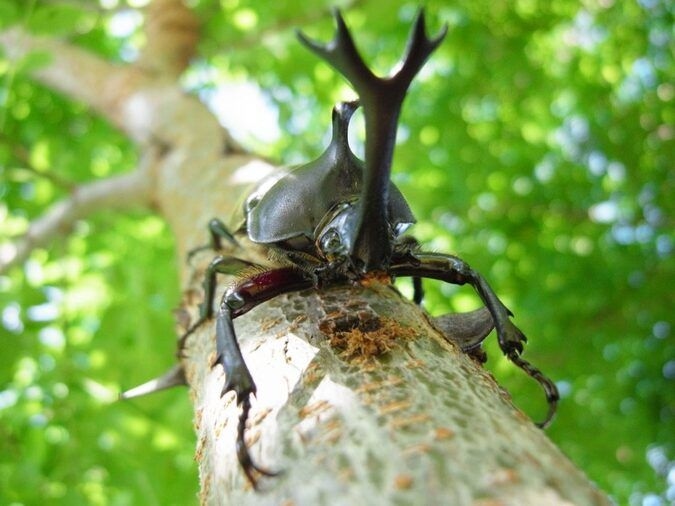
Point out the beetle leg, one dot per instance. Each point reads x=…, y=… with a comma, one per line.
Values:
x=172, y=378
x=237, y=379
x=418, y=290
x=467, y=330
x=405, y=247
x=237, y=301
x=451, y=269
x=550, y=389
x=217, y=232
x=219, y=265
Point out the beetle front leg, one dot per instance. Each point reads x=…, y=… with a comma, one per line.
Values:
x=238, y=380
x=451, y=269
x=454, y=270
x=238, y=300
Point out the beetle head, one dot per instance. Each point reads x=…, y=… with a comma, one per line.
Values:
x=335, y=233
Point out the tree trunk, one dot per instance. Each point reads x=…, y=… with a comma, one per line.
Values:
x=421, y=423
x=393, y=415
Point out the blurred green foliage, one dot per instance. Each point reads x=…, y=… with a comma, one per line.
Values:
x=538, y=145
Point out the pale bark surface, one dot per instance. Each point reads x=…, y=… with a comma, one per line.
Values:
x=420, y=423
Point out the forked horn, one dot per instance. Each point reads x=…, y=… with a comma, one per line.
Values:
x=381, y=98
x=342, y=55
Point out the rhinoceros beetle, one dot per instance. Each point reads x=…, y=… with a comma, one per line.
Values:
x=340, y=220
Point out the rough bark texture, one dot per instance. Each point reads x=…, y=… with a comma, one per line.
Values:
x=419, y=424
x=392, y=416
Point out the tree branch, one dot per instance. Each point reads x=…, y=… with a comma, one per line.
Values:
x=77, y=73
x=23, y=157
x=172, y=34
x=120, y=192
x=418, y=423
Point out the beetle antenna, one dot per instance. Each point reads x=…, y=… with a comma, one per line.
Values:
x=382, y=98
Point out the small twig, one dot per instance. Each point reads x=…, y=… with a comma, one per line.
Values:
x=119, y=192
x=22, y=155
x=77, y=73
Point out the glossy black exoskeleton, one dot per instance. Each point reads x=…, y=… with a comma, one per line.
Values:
x=340, y=220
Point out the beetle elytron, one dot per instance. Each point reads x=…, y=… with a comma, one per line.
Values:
x=340, y=220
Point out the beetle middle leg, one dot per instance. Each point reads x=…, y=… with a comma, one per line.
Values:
x=418, y=290
x=451, y=269
x=219, y=265
x=217, y=232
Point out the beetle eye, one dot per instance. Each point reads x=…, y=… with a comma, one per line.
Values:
x=331, y=242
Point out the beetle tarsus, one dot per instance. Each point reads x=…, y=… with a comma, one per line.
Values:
x=249, y=467
x=238, y=380
x=549, y=387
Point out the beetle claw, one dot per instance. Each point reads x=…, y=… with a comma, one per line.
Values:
x=249, y=467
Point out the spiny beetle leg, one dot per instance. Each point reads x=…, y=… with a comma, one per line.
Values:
x=217, y=232
x=467, y=330
x=238, y=300
x=418, y=290
x=451, y=269
x=219, y=265
x=238, y=380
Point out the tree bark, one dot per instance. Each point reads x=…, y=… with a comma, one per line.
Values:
x=396, y=415
x=421, y=423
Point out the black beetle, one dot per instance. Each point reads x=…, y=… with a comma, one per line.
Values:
x=338, y=220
